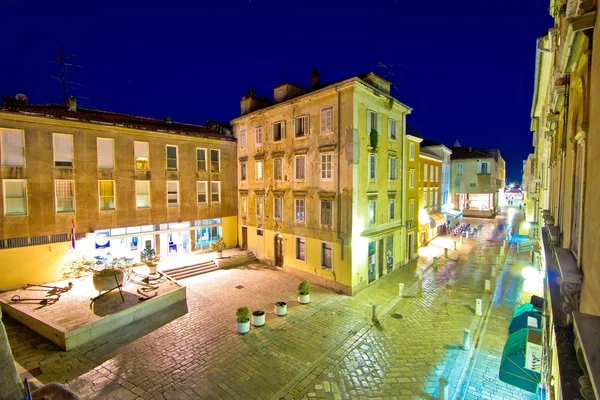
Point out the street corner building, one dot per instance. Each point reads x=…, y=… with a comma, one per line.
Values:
x=431, y=221
x=322, y=180
x=561, y=181
x=80, y=182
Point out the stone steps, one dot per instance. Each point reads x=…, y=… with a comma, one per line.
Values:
x=191, y=270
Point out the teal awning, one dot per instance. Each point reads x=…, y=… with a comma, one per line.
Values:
x=512, y=366
x=525, y=316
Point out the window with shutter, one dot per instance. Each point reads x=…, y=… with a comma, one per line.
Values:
x=215, y=192
x=106, y=158
x=300, y=168
x=13, y=147
x=258, y=131
x=106, y=191
x=15, y=197
x=459, y=168
x=278, y=208
x=278, y=169
x=372, y=167
x=172, y=193
x=392, y=129
x=412, y=152
x=142, y=194
x=243, y=139
x=201, y=191
x=278, y=131
x=63, y=150
x=65, y=195
x=142, y=155
x=327, y=120
x=301, y=126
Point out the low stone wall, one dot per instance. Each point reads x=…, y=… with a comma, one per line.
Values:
x=478, y=213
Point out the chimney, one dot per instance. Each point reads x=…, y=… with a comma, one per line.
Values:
x=470, y=149
x=315, y=79
x=72, y=103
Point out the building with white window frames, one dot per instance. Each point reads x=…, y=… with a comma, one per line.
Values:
x=125, y=182
x=326, y=180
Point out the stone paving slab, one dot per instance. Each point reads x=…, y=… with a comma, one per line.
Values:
x=327, y=349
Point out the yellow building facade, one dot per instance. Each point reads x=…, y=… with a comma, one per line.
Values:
x=320, y=193
x=120, y=184
x=412, y=180
x=430, y=186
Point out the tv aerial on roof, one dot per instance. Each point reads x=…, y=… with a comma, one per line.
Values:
x=66, y=84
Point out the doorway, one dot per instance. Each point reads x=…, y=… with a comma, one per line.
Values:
x=244, y=237
x=278, y=250
x=411, y=246
x=380, y=258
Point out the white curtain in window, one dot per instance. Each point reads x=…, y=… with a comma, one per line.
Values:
x=13, y=148
x=63, y=150
x=106, y=159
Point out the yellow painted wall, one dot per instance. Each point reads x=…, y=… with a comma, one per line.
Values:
x=229, y=231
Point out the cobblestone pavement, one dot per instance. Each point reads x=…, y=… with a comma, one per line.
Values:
x=327, y=349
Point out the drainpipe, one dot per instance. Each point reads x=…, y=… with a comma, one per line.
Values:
x=403, y=187
x=339, y=162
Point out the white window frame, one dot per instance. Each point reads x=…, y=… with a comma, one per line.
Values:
x=56, y=197
x=201, y=164
x=176, y=157
x=300, y=205
x=430, y=200
x=244, y=205
x=278, y=207
x=412, y=148
x=437, y=173
x=201, y=185
x=411, y=178
x=373, y=117
x=141, y=151
x=327, y=166
x=60, y=157
x=431, y=173
x=243, y=139
x=259, y=171
x=392, y=127
x=303, y=178
x=425, y=176
x=278, y=160
x=391, y=209
x=324, y=246
x=460, y=168
x=373, y=206
x=243, y=171
x=258, y=135
x=392, y=168
x=137, y=193
x=327, y=120
x=372, y=167
x=411, y=209
x=260, y=206
x=9, y=159
x=321, y=219
x=170, y=194
x=282, y=131
x=24, y=199
x=301, y=122
x=214, y=184
x=103, y=158
x=218, y=160
x=114, y=196
x=297, y=241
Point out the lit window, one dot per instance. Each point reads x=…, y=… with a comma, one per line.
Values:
x=201, y=159
x=65, y=195
x=326, y=255
x=326, y=166
x=63, y=150
x=142, y=155
x=327, y=212
x=105, y=148
x=13, y=147
x=372, y=212
x=142, y=194
x=327, y=120
x=171, y=158
x=15, y=197
x=300, y=248
x=278, y=208
x=215, y=160
x=259, y=170
x=107, y=195
x=172, y=193
x=244, y=205
x=201, y=192
x=215, y=192
x=300, y=210
x=260, y=206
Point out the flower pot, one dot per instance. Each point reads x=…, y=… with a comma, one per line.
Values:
x=152, y=269
x=107, y=282
x=243, y=327
x=219, y=254
x=303, y=298
x=280, y=309
x=258, y=318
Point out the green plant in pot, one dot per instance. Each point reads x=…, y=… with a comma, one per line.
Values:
x=243, y=322
x=218, y=245
x=106, y=274
x=304, y=292
x=150, y=258
x=373, y=138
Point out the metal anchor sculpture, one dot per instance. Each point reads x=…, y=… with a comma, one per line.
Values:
x=55, y=290
x=28, y=300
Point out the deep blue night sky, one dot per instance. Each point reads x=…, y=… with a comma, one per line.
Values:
x=466, y=67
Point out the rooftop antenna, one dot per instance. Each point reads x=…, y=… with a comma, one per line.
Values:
x=62, y=61
x=389, y=72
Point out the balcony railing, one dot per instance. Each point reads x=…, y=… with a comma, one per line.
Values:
x=484, y=172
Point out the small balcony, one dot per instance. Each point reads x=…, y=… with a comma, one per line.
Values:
x=484, y=171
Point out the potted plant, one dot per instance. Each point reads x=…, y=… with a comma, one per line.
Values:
x=304, y=292
x=280, y=308
x=373, y=139
x=243, y=322
x=106, y=274
x=218, y=245
x=150, y=258
x=258, y=318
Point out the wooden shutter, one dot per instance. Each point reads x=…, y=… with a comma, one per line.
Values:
x=378, y=123
x=106, y=159
x=389, y=128
x=306, y=125
x=282, y=127
x=369, y=121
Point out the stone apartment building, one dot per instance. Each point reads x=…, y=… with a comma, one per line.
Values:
x=320, y=188
x=563, y=190
x=444, y=153
x=413, y=194
x=430, y=218
x=118, y=182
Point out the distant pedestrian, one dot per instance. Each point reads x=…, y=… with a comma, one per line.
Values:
x=447, y=297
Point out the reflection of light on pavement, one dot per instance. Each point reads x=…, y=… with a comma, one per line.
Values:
x=511, y=213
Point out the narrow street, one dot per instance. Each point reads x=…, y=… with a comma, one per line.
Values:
x=328, y=349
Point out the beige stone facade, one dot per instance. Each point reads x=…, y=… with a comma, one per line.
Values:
x=133, y=185
x=319, y=195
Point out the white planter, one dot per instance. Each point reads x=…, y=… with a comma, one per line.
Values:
x=280, y=310
x=243, y=327
x=303, y=298
x=258, y=320
x=219, y=254
x=152, y=269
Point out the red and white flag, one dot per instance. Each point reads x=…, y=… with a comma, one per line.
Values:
x=73, y=233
